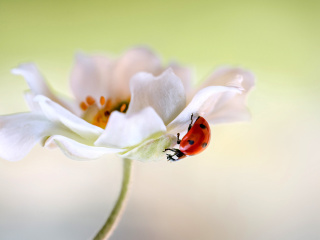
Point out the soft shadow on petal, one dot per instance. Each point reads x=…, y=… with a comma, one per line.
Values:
x=135, y=60
x=165, y=94
x=20, y=132
x=90, y=76
x=151, y=150
x=78, y=151
x=203, y=104
x=56, y=113
x=128, y=130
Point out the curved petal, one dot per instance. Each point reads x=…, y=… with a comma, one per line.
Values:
x=90, y=76
x=69, y=104
x=135, y=60
x=78, y=151
x=204, y=103
x=28, y=97
x=66, y=103
x=185, y=74
x=235, y=110
x=34, y=79
x=125, y=130
x=151, y=150
x=165, y=94
x=20, y=132
x=56, y=113
x=224, y=75
x=38, y=86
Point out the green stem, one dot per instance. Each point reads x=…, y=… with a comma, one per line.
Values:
x=108, y=228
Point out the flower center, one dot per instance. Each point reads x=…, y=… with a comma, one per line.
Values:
x=99, y=114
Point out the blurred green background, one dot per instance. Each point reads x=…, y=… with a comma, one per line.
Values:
x=257, y=181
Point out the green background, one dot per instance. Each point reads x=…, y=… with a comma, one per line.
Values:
x=256, y=177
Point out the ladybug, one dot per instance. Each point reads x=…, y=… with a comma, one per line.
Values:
x=195, y=141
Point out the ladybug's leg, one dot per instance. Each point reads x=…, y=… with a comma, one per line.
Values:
x=190, y=125
x=177, y=153
x=170, y=158
x=178, y=140
x=170, y=149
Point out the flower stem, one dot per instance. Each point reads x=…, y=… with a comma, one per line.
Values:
x=112, y=221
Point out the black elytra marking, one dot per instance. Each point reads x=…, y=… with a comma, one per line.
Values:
x=191, y=142
x=203, y=126
x=204, y=145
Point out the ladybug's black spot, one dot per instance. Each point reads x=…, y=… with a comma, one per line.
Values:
x=204, y=145
x=203, y=126
x=191, y=142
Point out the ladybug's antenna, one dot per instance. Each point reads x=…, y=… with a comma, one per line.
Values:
x=190, y=125
x=178, y=140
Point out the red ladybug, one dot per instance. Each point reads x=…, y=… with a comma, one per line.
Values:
x=195, y=141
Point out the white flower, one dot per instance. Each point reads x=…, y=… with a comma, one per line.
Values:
x=130, y=106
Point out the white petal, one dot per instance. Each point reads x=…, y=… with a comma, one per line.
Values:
x=204, y=103
x=78, y=151
x=90, y=77
x=69, y=104
x=185, y=74
x=133, y=61
x=66, y=103
x=28, y=97
x=235, y=109
x=38, y=86
x=225, y=75
x=125, y=130
x=20, y=132
x=165, y=94
x=151, y=150
x=34, y=79
x=56, y=113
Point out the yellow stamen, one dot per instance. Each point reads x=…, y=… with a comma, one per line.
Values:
x=99, y=114
x=90, y=100
x=123, y=107
x=83, y=106
x=108, y=104
x=102, y=100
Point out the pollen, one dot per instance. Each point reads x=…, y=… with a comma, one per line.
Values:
x=90, y=100
x=83, y=106
x=102, y=100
